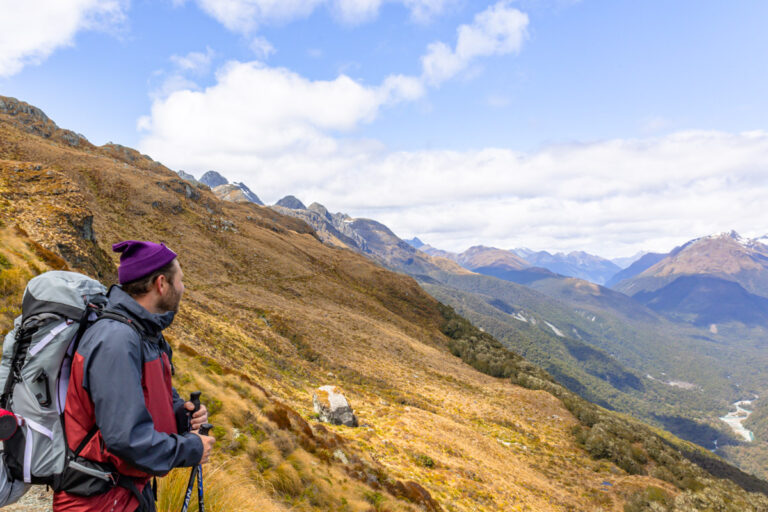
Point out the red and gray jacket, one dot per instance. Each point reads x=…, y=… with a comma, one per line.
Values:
x=120, y=388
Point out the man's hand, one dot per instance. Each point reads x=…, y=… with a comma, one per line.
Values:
x=207, y=447
x=198, y=418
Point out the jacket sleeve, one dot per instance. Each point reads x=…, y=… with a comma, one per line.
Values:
x=112, y=377
x=180, y=412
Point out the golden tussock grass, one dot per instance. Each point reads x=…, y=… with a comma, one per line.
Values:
x=226, y=489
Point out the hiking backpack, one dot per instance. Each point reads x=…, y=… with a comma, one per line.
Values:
x=57, y=307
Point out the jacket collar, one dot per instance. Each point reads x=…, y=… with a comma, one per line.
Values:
x=123, y=304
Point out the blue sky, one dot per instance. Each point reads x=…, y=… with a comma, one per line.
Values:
x=609, y=125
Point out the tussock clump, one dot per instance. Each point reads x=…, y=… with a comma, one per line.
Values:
x=285, y=479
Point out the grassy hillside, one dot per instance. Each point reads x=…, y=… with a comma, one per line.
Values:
x=597, y=342
x=450, y=419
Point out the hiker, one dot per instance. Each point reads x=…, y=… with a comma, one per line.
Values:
x=120, y=404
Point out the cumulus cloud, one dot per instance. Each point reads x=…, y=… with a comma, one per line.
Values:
x=613, y=197
x=282, y=133
x=256, y=110
x=245, y=16
x=54, y=24
x=498, y=30
x=285, y=111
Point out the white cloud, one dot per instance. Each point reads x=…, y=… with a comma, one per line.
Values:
x=498, y=30
x=612, y=198
x=177, y=78
x=31, y=31
x=245, y=16
x=282, y=133
x=261, y=47
x=257, y=110
x=194, y=62
x=424, y=10
x=357, y=11
x=284, y=111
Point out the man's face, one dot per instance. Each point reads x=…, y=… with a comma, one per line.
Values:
x=170, y=299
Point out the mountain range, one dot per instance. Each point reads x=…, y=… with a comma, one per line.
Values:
x=709, y=280
x=235, y=192
x=574, y=264
x=611, y=348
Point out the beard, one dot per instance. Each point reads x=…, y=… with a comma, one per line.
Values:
x=170, y=302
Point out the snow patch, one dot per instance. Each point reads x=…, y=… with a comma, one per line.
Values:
x=555, y=330
x=681, y=384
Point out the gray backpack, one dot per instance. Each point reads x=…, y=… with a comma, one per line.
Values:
x=34, y=374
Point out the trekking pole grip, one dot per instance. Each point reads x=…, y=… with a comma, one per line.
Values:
x=194, y=397
x=205, y=428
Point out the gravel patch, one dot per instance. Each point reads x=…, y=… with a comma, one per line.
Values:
x=37, y=499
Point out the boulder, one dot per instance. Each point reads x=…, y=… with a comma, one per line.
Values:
x=332, y=407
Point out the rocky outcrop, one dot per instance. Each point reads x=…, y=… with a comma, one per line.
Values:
x=34, y=120
x=332, y=228
x=187, y=177
x=332, y=406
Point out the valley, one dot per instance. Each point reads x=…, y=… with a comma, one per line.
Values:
x=635, y=356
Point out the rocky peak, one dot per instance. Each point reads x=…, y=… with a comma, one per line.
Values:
x=213, y=179
x=415, y=243
x=248, y=193
x=321, y=210
x=291, y=202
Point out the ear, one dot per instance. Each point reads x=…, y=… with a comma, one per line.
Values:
x=160, y=283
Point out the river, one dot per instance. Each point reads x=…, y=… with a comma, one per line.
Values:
x=735, y=420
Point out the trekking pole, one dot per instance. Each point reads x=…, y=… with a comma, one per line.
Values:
x=188, y=495
x=194, y=397
x=197, y=471
x=204, y=429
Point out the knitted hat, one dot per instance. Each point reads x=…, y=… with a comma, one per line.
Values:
x=139, y=259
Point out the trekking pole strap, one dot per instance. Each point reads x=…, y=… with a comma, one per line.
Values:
x=127, y=482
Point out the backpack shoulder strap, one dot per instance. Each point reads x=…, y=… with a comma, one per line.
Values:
x=111, y=315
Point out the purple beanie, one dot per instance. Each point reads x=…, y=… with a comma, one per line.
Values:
x=139, y=259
